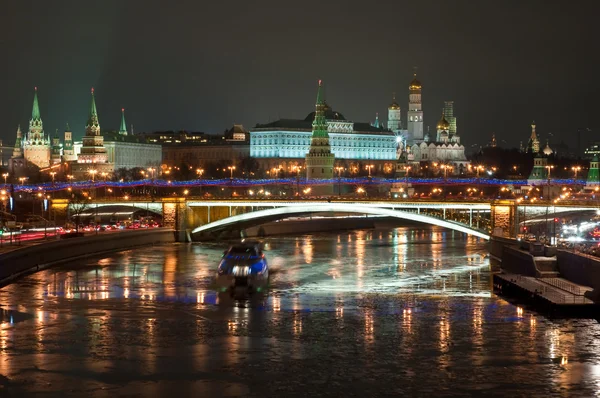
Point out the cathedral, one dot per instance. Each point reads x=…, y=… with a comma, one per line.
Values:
x=415, y=145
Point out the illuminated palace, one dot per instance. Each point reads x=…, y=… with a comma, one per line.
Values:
x=285, y=142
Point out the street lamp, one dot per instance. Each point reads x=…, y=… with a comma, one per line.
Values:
x=92, y=172
x=5, y=175
x=231, y=168
x=53, y=173
x=369, y=167
x=23, y=179
x=576, y=169
x=339, y=169
x=297, y=169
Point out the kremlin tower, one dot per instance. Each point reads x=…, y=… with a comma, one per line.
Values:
x=319, y=160
x=36, y=148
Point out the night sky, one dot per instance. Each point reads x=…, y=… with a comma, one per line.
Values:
x=202, y=66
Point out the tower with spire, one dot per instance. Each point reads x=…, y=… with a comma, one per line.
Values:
x=534, y=143
x=319, y=160
x=376, y=122
x=68, y=149
x=92, y=149
x=36, y=147
x=18, y=149
x=415, y=111
x=394, y=116
x=123, y=128
x=56, y=149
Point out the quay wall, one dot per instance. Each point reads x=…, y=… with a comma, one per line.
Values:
x=581, y=269
x=16, y=263
x=515, y=261
x=310, y=225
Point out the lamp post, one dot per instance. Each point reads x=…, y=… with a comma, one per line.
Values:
x=23, y=179
x=575, y=170
x=5, y=175
x=369, y=167
x=92, y=172
x=231, y=169
x=297, y=170
x=200, y=172
x=53, y=173
x=339, y=169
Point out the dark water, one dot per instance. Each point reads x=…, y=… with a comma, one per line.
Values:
x=363, y=313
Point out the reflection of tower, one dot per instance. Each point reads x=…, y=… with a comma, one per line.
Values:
x=123, y=128
x=415, y=111
x=534, y=143
x=68, y=150
x=319, y=160
x=394, y=116
x=92, y=149
x=36, y=147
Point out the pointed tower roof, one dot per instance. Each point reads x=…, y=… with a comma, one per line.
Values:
x=35, y=111
x=320, y=100
x=123, y=128
x=67, y=128
x=443, y=123
x=376, y=122
x=93, y=116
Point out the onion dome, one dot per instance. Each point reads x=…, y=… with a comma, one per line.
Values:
x=547, y=150
x=414, y=84
x=443, y=123
x=394, y=105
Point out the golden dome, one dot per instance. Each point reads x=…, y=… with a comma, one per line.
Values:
x=415, y=84
x=394, y=105
x=443, y=123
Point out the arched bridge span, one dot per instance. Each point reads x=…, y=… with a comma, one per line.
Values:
x=260, y=216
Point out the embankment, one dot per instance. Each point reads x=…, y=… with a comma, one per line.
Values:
x=29, y=259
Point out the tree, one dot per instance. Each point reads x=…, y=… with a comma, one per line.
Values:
x=78, y=203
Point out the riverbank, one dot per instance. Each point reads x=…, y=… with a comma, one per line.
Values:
x=26, y=260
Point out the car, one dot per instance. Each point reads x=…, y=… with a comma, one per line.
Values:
x=243, y=267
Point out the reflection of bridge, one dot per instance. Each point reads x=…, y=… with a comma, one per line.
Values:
x=204, y=217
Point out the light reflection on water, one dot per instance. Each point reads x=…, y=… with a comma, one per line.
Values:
x=427, y=290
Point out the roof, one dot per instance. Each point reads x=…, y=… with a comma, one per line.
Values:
x=303, y=125
x=114, y=136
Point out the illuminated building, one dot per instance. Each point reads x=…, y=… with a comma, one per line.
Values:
x=533, y=145
x=319, y=159
x=68, y=149
x=415, y=112
x=91, y=154
x=593, y=177
x=449, y=115
x=36, y=146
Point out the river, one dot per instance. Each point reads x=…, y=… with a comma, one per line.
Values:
x=361, y=313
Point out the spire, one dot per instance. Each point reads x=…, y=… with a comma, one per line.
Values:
x=18, y=149
x=93, y=117
x=123, y=128
x=376, y=123
x=67, y=128
x=320, y=100
x=35, y=112
x=56, y=134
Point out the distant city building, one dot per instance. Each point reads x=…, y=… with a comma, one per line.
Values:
x=394, y=116
x=449, y=115
x=200, y=154
x=178, y=137
x=493, y=142
x=56, y=154
x=237, y=134
x=593, y=177
x=5, y=154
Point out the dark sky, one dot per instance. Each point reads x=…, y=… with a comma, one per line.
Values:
x=204, y=65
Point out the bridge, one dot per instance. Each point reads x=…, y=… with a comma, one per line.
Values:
x=199, y=218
